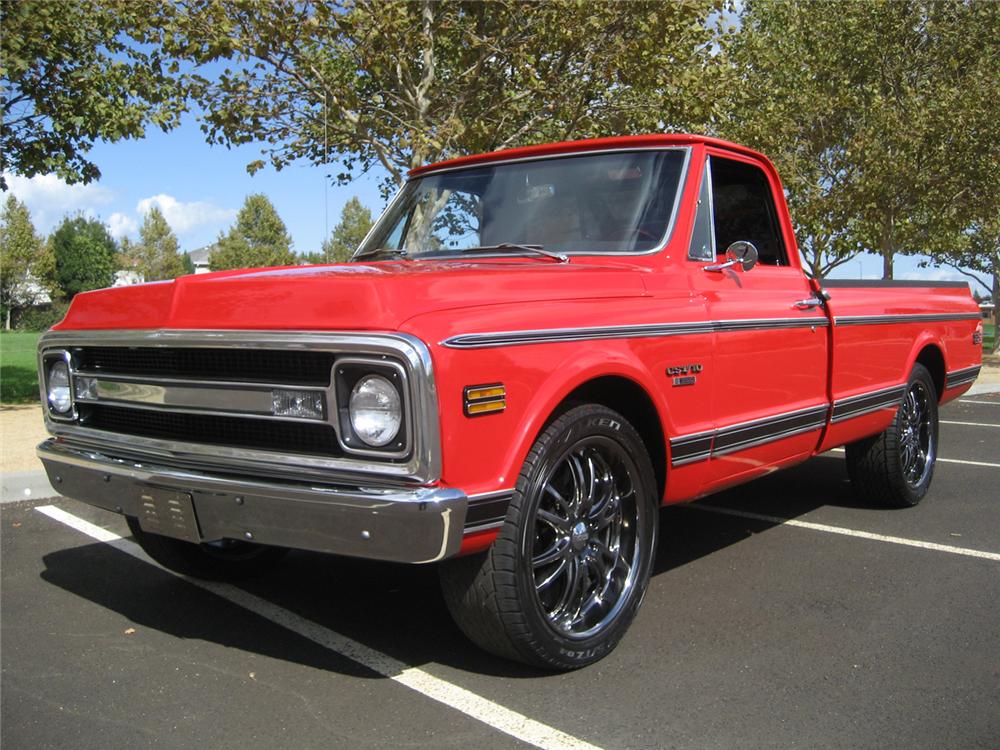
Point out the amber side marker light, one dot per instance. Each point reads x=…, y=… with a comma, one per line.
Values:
x=480, y=400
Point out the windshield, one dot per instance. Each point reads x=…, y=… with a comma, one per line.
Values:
x=618, y=202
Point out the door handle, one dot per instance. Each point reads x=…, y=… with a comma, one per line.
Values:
x=809, y=304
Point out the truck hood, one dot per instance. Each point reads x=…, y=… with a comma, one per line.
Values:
x=374, y=296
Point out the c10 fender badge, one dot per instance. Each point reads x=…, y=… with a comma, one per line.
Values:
x=684, y=374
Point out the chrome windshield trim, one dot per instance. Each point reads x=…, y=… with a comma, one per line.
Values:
x=660, y=247
x=424, y=462
x=552, y=335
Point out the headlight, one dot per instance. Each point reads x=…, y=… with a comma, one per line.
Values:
x=376, y=410
x=58, y=381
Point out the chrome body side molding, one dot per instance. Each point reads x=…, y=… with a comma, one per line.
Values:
x=554, y=335
x=874, y=320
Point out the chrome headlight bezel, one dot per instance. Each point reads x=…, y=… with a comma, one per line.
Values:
x=62, y=359
x=348, y=374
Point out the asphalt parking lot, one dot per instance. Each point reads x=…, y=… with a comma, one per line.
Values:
x=797, y=618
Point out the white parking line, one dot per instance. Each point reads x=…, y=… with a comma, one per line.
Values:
x=492, y=714
x=971, y=424
x=987, y=403
x=850, y=532
x=943, y=460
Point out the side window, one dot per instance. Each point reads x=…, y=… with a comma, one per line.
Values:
x=702, y=243
x=744, y=210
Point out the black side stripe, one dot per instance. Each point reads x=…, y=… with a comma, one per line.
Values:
x=487, y=511
x=963, y=376
x=700, y=446
x=856, y=406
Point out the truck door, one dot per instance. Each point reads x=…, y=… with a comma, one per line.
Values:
x=769, y=385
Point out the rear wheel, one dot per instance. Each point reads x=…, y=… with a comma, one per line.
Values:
x=227, y=559
x=566, y=575
x=895, y=468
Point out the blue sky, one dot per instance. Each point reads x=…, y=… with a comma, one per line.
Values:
x=200, y=187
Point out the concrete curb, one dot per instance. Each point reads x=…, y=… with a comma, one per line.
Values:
x=25, y=485
x=980, y=388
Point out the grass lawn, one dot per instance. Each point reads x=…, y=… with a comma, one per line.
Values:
x=989, y=336
x=18, y=368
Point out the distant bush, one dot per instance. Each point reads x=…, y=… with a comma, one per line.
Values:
x=42, y=318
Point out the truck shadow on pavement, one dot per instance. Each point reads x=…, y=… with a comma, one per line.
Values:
x=396, y=609
x=688, y=533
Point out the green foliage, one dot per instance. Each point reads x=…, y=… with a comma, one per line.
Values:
x=155, y=256
x=313, y=258
x=403, y=83
x=187, y=263
x=85, y=255
x=42, y=318
x=23, y=261
x=76, y=71
x=18, y=367
x=866, y=107
x=355, y=221
x=257, y=239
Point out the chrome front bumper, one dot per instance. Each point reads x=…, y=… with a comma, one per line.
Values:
x=401, y=525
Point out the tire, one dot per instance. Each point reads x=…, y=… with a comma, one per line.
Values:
x=563, y=580
x=229, y=559
x=895, y=468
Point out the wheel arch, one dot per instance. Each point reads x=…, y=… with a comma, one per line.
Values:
x=930, y=354
x=618, y=385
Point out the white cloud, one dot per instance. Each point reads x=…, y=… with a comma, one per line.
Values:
x=120, y=225
x=49, y=198
x=184, y=217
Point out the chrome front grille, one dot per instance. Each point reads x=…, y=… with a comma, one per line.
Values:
x=217, y=399
x=318, y=439
x=268, y=366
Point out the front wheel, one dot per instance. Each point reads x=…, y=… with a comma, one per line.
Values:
x=227, y=559
x=895, y=468
x=568, y=571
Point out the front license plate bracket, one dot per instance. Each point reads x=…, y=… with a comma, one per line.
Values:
x=168, y=513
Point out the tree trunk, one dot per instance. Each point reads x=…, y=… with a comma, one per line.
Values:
x=886, y=247
x=996, y=304
x=7, y=322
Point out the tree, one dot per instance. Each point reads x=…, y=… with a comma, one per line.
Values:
x=22, y=256
x=258, y=238
x=400, y=84
x=980, y=251
x=77, y=71
x=355, y=221
x=85, y=255
x=187, y=263
x=866, y=108
x=155, y=256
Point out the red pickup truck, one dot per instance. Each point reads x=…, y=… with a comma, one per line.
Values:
x=531, y=352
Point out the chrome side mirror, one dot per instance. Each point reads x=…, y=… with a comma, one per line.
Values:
x=741, y=253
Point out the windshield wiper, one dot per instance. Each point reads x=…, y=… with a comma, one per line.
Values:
x=538, y=249
x=381, y=253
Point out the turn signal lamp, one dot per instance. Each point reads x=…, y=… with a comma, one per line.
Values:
x=485, y=399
